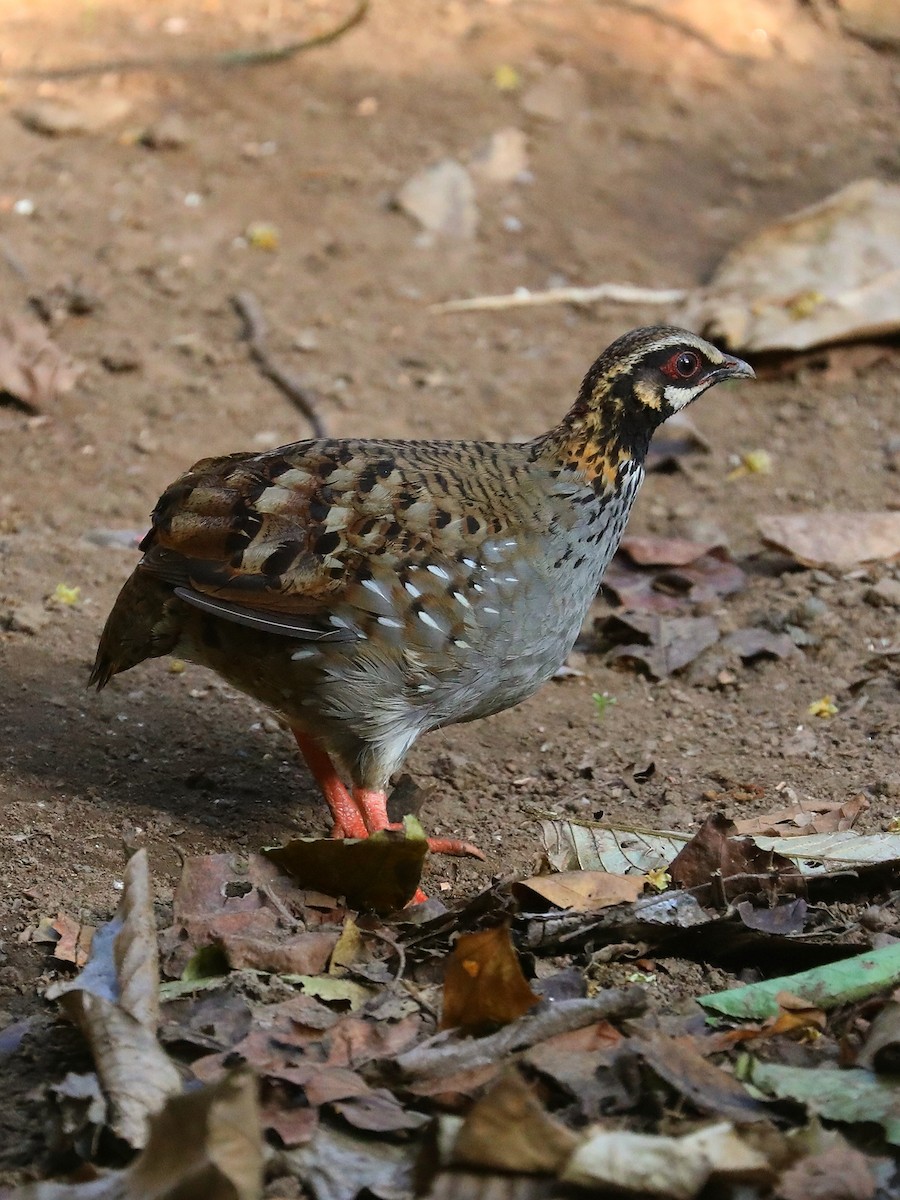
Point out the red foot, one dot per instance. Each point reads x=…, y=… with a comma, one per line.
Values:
x=363, y=812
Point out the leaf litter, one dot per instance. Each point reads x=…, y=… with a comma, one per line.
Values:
x=391, y=1053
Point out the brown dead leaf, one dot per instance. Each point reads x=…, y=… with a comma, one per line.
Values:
x=752, y=643
x=668, y=588
x=805, y=817
x=580, y=890
x=483, y=983
x=713, y=855
x=74, y=945
x=115, y=1003
x=33, y=370
x=835, y=539
x=667, y=643
x=205, y=1144
x=508, y=1129
x=379, y=874
x=664, y=552
x=679, y=1062
x=839, y=1172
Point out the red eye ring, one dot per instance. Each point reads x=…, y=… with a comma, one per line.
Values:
x=683, y=365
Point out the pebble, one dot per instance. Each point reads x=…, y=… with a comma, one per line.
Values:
x=889, y=786
x=25, y=618
x=306, y=340
x=502, y=158
x=561, y=95
x=442, y=199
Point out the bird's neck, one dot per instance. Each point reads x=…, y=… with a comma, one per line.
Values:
x=596, y=442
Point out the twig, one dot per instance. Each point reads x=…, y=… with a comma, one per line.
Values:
x=230, y=58
x=617, y=293
x=247, y=307
x=446, y=1053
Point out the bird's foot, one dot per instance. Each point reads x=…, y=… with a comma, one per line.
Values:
x=373, y=808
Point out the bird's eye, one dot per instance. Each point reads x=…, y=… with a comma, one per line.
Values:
x=683, y=365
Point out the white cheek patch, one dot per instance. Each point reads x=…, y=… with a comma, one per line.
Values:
x=676, y=395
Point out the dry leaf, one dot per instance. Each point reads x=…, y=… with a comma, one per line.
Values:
x=74, y=943
x=33, y=370
x=827, y=273
x=508, y=1129
x=674, y=1168
x=667, y=643
x=483, y=983
x=810, y=816
x=737, y=863
x=581, y=890
x=835, y=539
x=206, y=1144
x=838, y=1172
x=115, y=1003
x=380, y=873
x=679, y=1062
x=616, y=849
x=881, y=1050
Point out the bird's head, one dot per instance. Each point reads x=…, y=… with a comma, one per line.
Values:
x=647, y=375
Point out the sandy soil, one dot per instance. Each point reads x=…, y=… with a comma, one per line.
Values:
x=679, y=146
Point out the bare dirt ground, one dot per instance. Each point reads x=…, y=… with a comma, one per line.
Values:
x=680, y=146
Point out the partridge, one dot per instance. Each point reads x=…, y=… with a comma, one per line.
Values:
x=371, y=590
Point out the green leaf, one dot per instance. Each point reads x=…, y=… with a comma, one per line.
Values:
x=853, y=1096
x=378, y=873
x=332, y=990
x=824, y=987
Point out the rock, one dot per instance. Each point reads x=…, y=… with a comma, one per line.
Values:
x=306, y=340
x=889, y=786
x=56, y=118
x=170, y=132
x=502, y=158
x=561, y=95
x=885, y=593
x=799, y=744
x=442, y=199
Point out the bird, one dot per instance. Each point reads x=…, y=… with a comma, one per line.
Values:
x=371, y=590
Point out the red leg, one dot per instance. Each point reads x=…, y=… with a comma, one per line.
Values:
x=373, y=806
x=348, y=820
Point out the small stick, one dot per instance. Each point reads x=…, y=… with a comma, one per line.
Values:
x=446, y=1053
x=617, y=293
x=247, y=307
x=199, y=62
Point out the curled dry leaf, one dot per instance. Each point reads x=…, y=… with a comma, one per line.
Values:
x=580, y=890
x=824, y=274
x=808, y=817
x=674, y=1168
x=33, y=369
x=380, y=873
x=835, y=539
x=115, y=1003
x=483, y=983
x=738, y=863
x=207, y=1144
x=617, y=849
x=664, y=575
x=508, y=1129
x=666, y=643
x=881, y=1050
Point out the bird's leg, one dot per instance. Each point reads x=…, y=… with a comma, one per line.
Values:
x=373, y=807
x=348, y=820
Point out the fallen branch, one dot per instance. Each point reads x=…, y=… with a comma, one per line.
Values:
x=247, y=307
x=446, y=1053
x=616, y=293
x=230, y=58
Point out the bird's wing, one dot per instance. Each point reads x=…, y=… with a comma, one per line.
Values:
x=280, y=541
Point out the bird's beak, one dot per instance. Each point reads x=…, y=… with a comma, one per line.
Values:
x=735, y=368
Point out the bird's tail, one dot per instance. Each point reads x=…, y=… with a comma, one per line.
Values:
x=144, y=623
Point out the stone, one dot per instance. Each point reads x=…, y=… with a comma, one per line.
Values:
x=442, y=199
x=502, y=158
x=885, y=593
